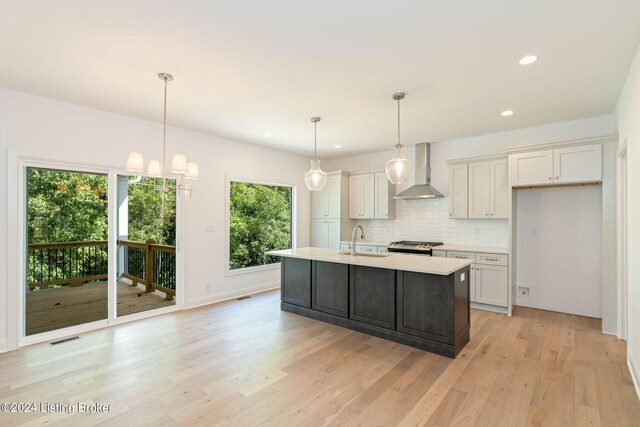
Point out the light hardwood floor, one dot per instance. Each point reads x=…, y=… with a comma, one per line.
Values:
x=245, y=363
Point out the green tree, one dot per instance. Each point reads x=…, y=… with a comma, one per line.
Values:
x=66, y=206
x=260, y=221
x=151, y=217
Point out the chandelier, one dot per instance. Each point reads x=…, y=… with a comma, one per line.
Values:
x=187, y=171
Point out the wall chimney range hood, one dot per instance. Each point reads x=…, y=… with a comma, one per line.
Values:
x=422, y=188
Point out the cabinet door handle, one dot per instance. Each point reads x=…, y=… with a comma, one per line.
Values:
x=550, y=178
x=486, y=214
x=557, y=177
x=492, y=259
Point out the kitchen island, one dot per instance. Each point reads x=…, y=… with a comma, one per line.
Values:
x=419, y=301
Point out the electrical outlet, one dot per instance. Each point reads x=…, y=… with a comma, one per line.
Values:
x=209, y=228
x=523, y=291
x=534, y=232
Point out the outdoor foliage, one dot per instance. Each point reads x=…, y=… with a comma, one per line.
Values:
x=260, y=222
x=149, y=216
x=67, y=206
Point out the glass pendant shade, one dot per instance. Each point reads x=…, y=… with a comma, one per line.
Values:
x=192, y=171
x=155, y=169
x=179, y=164
x=316, y=178
x=135, y=162
x=397, y=168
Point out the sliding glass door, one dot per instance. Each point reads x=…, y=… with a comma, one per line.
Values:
x=98, y=247
x=146, y=244
x=67, y=249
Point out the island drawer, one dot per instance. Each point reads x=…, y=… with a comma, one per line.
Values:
x=492, y=259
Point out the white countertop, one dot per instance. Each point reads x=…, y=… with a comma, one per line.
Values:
x=414, y=263
x=463, y=248
x=445, y=247
x=369, y=242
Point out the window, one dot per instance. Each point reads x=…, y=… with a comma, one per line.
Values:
x=260, y=220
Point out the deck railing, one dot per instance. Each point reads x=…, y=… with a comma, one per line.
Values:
x=75, y=263
x=68, y=263
x=150, y=264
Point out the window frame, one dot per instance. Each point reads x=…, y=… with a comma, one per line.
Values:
x=227, y=245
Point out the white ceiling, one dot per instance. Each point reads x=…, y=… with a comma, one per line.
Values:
x=246, y=67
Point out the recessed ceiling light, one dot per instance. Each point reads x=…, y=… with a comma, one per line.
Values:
x=529, y=59
x=268, y=134
x=337, y=146
x=507, y=113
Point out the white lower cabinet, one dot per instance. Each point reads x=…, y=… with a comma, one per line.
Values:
x=491, y=285
x=326, y=233
x=489, y=281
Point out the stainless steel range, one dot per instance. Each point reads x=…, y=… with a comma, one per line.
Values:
x=412, y=247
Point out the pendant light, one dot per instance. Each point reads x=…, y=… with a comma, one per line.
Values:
x=316, y=178
x=397, y=168
x=156, y=168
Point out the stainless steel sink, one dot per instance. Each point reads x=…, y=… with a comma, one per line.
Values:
x=362, y=253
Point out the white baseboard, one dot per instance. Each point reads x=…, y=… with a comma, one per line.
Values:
x=635, y=372
x=487, y=307
x=4, y=346
x=226, y=296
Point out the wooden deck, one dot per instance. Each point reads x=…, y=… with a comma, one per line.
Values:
x=51, y=309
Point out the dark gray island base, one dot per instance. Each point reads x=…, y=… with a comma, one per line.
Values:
x=425, y=311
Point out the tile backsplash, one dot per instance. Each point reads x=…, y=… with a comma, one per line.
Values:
x=429, y=220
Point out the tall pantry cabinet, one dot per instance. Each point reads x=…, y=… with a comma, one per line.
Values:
x=330, y=221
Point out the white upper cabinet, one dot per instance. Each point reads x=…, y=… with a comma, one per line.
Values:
x=485, y=194
x=499, y=189
x=535, y=168
x=369, y=196
x=577, y=164
x=479, y=189
x=326, y=202
x=384, y=201
x=458, y=191
x=356, y=197
x=567, y=165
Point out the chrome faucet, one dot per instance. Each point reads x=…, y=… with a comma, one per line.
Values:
x=354, y=237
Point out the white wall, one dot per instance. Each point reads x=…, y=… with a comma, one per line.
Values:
x=416, y=217
x=61, y=131
x=627, y=116
x=560, y=249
